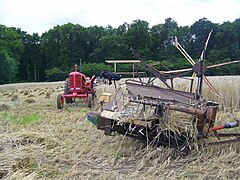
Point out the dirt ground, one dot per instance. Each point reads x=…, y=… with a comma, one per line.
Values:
x=38, y=141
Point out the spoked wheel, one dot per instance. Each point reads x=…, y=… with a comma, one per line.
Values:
x=60, y=101
x=90, y=100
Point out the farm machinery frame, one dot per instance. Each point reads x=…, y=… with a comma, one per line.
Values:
x=162, y=115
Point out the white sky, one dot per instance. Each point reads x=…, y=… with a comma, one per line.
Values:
x=38, y=16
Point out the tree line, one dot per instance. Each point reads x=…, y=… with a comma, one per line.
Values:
x=52, y=55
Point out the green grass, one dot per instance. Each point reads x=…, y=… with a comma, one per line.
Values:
x=84, y=110
x=7, y=116
x=119, y=154
x=29, y=119
x=24, y=120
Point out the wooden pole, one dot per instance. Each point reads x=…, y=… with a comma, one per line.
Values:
x=115, y=67
x=133, y=70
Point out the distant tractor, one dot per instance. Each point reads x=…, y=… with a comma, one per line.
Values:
x=77, y=85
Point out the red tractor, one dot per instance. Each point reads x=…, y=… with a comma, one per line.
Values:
x=77, y=85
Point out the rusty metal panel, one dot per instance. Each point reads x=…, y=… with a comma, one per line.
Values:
x=160, y=93
x=110, y=105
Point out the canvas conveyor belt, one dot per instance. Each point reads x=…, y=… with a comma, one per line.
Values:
x=160, y=93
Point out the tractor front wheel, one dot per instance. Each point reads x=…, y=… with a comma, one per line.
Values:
x=59, y=101
x=67, y=91
x=90, y=100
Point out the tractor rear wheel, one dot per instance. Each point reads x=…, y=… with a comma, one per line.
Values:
x=59, y=102
x=67, y=90
x=90, y=100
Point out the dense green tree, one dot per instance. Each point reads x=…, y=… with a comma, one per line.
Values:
x=184, y=37
x=8, y=68
x=11, y=41
x=11, y=46
x=95, y=33
x=31, y=60
x=37, y=58
x=50, y=45
x=170, y=32
x=56, y=74
x=112, y=47
x=199, y=33
x=157, y=40
x=79, y=45
x=91, y=69
x=138, y=37
x=122, y=29
x=225, y=42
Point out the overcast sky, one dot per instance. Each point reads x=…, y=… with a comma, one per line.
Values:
x=38, y=16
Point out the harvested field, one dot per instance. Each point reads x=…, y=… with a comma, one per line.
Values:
x=38, y=141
